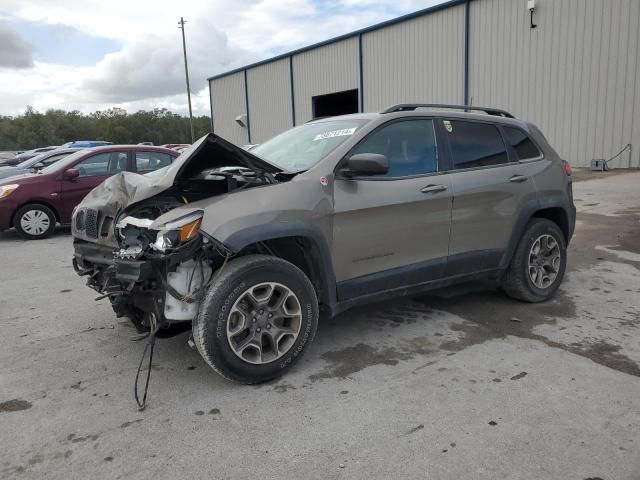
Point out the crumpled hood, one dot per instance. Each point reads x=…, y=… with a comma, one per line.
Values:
x=126, y=188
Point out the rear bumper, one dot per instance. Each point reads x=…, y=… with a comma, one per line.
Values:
x=571, y=213
x=572, y=221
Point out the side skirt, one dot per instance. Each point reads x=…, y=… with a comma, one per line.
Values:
x=416, y=289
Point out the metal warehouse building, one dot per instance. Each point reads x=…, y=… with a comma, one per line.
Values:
x=571, y=66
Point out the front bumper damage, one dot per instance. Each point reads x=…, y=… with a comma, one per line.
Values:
x=155, y=289
x=147, y=242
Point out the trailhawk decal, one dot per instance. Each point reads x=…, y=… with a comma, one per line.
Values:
x=344, y=132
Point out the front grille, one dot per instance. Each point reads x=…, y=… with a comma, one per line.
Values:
x=80, y=220
x=106, y=226
x=91, y=223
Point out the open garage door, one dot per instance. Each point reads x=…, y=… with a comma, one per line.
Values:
x=332, y=104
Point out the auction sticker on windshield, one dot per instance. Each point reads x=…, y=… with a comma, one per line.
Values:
x=335, y=133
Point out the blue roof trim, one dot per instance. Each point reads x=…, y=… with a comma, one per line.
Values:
x=377, y=26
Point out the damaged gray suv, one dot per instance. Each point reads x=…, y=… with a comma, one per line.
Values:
x=248, y=249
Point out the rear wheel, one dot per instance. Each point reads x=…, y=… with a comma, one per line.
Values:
x=538, y=264
x=34, y=222
x=258, y=317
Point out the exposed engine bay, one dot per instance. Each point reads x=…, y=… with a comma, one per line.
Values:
x=156, y=273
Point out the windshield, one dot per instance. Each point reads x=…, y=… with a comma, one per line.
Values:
x=62, y=164
x=31, y=161
x=42, y=157
x=302, y=147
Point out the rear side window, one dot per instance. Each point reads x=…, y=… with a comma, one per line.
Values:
x=475, y=144
x=149, y=161
x=521, y=143
x=410, y=147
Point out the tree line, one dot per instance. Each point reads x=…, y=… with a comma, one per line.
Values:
x=55, y=127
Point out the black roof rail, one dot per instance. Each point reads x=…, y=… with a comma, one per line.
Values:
x=405, y=107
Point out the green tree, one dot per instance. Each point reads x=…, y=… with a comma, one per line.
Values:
x=55, y=127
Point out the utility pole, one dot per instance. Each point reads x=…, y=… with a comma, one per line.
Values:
x=186, y=73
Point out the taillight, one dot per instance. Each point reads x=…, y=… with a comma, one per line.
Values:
x=567, y=168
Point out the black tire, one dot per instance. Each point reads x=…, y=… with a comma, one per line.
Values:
x=41, y=211
x=517, y=282
x=230, y=284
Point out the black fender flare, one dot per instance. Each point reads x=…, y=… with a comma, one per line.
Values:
x=544, y=200
x=259, y=233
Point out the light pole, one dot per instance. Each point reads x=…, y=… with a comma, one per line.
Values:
x=186, y=73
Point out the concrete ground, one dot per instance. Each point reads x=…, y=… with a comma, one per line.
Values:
x=460, y=384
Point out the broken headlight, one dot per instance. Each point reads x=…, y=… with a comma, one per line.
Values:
x=178, y=232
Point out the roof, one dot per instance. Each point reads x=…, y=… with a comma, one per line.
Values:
x=377, y=26
x=354, y=116
x=431, y=112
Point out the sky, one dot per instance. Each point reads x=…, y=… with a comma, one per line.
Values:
x=89, y=55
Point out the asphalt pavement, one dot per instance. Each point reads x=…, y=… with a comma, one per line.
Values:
x=462, y=383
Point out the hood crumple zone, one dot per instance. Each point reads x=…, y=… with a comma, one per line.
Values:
x=126, y=189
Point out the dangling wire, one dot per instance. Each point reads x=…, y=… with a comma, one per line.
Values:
x=148, y=347
x=154, y=327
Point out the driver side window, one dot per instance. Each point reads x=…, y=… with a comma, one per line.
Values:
x=409, y=145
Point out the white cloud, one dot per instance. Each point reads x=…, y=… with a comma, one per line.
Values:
x=154, y=66
x=15, y=52
x=148, y=71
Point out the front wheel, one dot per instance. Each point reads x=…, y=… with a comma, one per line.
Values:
x=34, y=222
x=257, y=318
x=538, y=264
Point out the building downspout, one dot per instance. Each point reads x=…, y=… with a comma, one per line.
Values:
x=246, y=101
x=467, y=10
x=293, y=93
x=361, y=92
x=210, y=106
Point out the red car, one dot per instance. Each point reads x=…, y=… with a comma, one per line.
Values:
x=34, y=203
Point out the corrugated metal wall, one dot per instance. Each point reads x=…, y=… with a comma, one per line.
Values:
x=575, y=75
x=420, y=60
x=228, y=101
x=328, y=69
x=269, y=99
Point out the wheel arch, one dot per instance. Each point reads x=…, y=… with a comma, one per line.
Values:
x=557, y=215
x=300, y=244
x=35, y=202
x=553, y=209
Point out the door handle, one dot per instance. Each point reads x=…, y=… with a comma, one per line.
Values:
x=518, y=178
x=433, y=188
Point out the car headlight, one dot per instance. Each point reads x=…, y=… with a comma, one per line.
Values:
x=178, y=232
x=6, y=190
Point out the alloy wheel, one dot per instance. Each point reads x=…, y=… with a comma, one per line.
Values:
x=264, y=323
x=544, y=261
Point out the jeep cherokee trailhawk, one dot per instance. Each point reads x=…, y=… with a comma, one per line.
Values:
x=249, y=248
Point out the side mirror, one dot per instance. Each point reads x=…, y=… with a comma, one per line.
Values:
x=70, y=174
x=365, y=164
